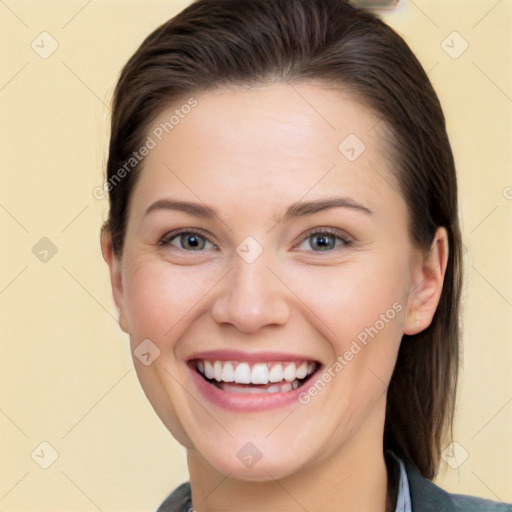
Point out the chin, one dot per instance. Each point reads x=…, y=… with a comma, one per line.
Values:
x=256, y=462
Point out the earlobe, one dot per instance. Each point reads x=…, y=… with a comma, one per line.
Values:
x=114, y=264
x=427, y=285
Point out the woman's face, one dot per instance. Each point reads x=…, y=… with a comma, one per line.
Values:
x=250, y=286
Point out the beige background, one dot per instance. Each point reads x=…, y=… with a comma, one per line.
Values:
x=66, y=375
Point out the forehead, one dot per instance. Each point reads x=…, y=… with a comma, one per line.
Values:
x=266, y=143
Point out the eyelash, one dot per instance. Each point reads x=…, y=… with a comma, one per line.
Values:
x=166, y=240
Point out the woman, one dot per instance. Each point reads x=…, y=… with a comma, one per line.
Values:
x=285, y=254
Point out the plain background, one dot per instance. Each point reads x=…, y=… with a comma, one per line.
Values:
x=66, y=374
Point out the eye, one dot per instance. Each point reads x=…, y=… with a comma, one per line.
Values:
x=196, y=240
x=326, y=238
x=192, y=241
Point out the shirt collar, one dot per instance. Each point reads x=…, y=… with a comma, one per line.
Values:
x=403, y=502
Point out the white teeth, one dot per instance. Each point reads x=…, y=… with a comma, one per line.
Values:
x=260, y=373
x=286, y=387
x=230, y=388
x=276, y=373
x=208, y=370
x=228, y=373
x=217, y=370
x=289, y=372
x=302, y=370
x=243, y=374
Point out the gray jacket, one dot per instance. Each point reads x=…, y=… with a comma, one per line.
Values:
x=425, y=497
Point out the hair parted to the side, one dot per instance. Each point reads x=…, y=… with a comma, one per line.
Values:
x=216, y=43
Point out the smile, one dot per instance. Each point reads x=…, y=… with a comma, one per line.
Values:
x=259, y=377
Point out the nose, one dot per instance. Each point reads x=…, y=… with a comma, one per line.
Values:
x=252, y=297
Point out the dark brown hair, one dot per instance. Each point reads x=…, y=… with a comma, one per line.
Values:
x=213, y=43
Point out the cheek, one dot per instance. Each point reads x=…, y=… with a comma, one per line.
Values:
x=352, y=296
x=371, y=323
x=159, y=296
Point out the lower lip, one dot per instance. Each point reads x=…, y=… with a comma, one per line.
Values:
x=247, y=402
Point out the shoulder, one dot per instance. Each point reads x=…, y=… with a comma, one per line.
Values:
x=425, y=496
x=180, y=500
x=470, y=503
x=429, y=497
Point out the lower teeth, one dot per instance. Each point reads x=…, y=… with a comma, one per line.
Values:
x=245, y=388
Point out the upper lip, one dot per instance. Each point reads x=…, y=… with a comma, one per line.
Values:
x=250, y=357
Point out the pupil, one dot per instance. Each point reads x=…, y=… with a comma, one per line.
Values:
x=194, y=243
x=323, y=241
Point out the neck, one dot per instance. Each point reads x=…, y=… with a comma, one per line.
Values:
x=351, y=479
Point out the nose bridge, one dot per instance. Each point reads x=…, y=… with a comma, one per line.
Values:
x=251, y=296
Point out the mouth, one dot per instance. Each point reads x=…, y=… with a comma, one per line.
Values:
x=255, y=377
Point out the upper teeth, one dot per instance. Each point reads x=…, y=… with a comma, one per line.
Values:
x=260, y=373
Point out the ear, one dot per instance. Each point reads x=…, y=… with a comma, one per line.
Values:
x=114, y=264
x=427, y=285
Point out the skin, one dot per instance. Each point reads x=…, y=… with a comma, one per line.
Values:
x=249, y=153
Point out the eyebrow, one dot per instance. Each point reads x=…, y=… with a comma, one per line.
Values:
x=298, y=209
